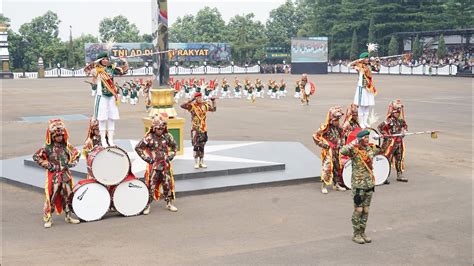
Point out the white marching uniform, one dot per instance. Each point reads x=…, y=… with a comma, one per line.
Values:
x=362, y=96
x=105, y=107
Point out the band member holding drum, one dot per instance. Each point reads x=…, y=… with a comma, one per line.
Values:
x=351, y=122
x=393, y=147
x=361, y=152
x=365, y=92
x=57, y=156
x=158, y=149
x=328, y=137
x=307, y=89
x=93, y=139
x=198, y=110
x=106, y=110
x=297, y=90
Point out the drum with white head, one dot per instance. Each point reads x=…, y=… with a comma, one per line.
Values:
x=381, y=170
x=307, y=88
x=90, y=200
x=131, y=197
x=108, y=165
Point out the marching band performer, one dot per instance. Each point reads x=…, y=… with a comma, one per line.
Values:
x=158, y=149
x=328, y=137
x=351, y=122
x=365, y=92
x=224, y=88
x=394, y=147
x=106, y=110
x=198, y=110
x=282, y=86
x=237, y=88
x=361, y=153
x=57, y=156
x=304, y=94
x=259, y=86
x=146, y=91
x=297, y=90
x=93, y=139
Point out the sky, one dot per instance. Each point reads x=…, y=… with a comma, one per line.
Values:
x=85, y=15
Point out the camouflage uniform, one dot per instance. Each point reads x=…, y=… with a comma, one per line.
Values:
x=363, y=181
x=394, y=148
x=328, y=137
x=158, y=151
x=57, y=158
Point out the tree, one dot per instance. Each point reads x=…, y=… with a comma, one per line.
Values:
x=119, y=29
x=283, y=24
x=79, y=48
x=417, y=48
x=182, y=29
x=4, y=19
x=371, y=37
x=354, y=46
x=147, y=38
x=209, y=26
x=71, y=62
x=393, y=46
x=39, y=34
x=441, y=53
x=246, y=37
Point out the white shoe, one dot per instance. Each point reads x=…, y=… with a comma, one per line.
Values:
x=71, y=220
x=48, y=224
x=146, y=211
x=201, y=164
x=171, y=208
x=196, y=164
x=339, y=188
x=324, y=190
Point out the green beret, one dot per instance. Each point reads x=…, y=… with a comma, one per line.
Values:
x=363, y=133
x=102, y=55
x=364, y=55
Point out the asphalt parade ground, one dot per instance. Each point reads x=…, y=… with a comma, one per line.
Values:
x=427, y=221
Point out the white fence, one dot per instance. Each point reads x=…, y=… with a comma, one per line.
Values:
x=437, y=70
x=145, y=71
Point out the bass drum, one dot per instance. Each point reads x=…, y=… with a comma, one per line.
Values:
x=90, y=200
x=381, y=170
x=109, y=165
x=131, y=197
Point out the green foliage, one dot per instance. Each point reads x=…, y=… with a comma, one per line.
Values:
x=417, y=48
x=371, y=37
x=393, y=46
x=118, y=29
x=354, y=47
x=441, y=52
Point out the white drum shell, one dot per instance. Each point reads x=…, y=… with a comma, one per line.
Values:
x=131, y=197
x=381, y=170
x=110, y=166
x=91, y=201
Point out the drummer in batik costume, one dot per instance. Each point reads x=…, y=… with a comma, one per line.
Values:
x=106, y=110
x=304, y=95
x=57, y=156
x=198, y=110
x=365, y=93
x=394, y=147
x=158, y=149
x=351, y=122
x=93, y=139
x=361, y=153
x=146, y=92
x=328, y=137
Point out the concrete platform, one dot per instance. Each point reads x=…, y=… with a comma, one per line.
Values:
x=231, y=165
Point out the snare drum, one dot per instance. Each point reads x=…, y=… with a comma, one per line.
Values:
x=108, y=165
x=381, y=170
x=131, y=197
x=90, y=200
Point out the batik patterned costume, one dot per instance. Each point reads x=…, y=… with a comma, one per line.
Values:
x=394, y=147
x=328, y=137
x=57, y=158
x=158, y=151
x=351, y=122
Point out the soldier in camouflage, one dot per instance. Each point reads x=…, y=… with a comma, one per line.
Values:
x=158, y=149
x=361, y=152
x=328, y=137
x=57, y=156
x=394, y=147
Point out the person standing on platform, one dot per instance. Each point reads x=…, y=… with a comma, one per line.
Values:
x=199, y=109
